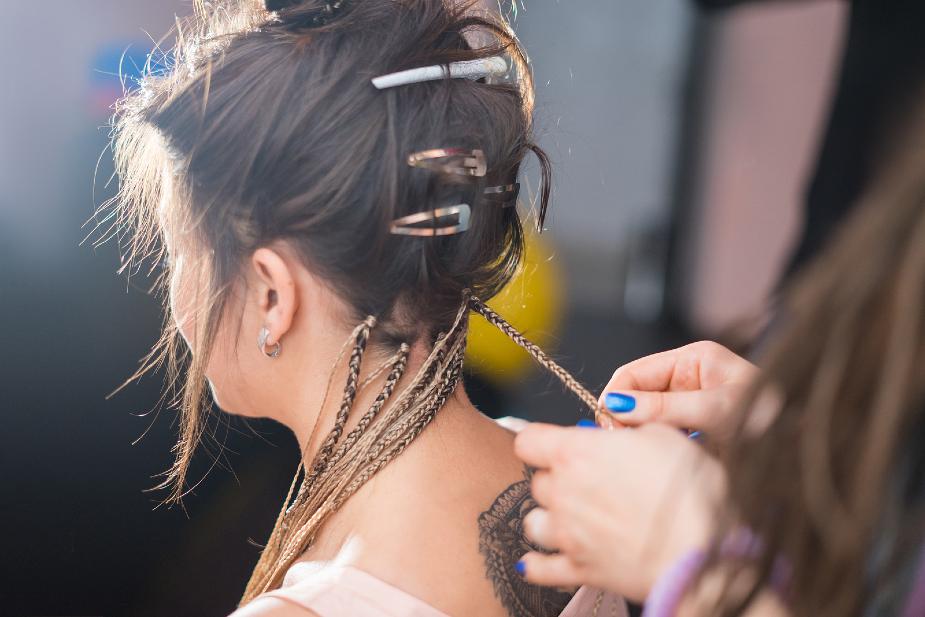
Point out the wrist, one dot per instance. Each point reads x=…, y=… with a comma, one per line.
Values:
x=694, y=516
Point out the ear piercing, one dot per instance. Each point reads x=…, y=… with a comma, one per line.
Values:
x=262, y=343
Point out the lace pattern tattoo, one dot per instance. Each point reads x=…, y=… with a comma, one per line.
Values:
x=502, y=543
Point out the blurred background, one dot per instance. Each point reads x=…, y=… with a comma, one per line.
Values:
x=686, y=140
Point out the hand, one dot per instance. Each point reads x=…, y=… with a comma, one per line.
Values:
x=619, y=506
x=696, y=387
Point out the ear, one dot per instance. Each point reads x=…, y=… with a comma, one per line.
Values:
x=277, y=295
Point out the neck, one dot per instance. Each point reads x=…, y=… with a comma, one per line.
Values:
x=361, y=533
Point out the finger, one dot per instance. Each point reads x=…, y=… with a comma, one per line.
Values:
x=699, y=365
x=703, y=410
x=549, y=570
x=538, y=444
x=541, y=488
x=651, y=373
x=539, y=529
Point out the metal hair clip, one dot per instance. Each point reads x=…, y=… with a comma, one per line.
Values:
x=464, y=69
x=407, y=225
x=451, y=160
x=505, y=194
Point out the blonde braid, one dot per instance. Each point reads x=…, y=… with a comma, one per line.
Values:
x=398, y=362
x=403, y=350
x=398, y=370
x=538, y=354
x=282, y=526
x=435, y=403
x=350, y=393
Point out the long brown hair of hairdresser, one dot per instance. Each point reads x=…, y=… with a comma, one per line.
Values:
x=809, y=498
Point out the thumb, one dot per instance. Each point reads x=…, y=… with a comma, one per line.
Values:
x=702, y=410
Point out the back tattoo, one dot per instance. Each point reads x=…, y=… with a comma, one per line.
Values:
x=502, y=543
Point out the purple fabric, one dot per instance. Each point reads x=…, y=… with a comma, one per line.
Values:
x=915, y=604
x=669, y=589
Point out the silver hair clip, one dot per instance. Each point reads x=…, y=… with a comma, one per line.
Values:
x=464, y=69
x=504, y=194
x=410, y=225
x=457, y=161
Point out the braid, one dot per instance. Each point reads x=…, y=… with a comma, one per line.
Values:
x=447, y=386
x=263, y=571
x=390, y=362
x=399, y=359
x=350, y=393
x=538, y=354
x=398, y=370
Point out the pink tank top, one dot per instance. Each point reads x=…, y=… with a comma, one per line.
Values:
x=342, y=591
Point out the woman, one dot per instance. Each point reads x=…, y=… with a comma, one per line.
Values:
x=815, y=503
x=330, y=220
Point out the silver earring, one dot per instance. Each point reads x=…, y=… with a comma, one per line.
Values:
x=262, y=343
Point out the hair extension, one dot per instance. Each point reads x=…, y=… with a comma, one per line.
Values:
x=395, y=375
x=538, y=354
x=350, y=393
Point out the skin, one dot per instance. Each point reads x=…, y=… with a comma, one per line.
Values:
x=622, y=506
x=692, y=387
x=461, y=462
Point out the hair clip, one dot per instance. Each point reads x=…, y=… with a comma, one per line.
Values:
x=505, y=194
x=467, y=69
x=458, y=161
x=409, y=225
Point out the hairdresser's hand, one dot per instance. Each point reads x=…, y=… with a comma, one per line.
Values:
x=619, y=506
x=696, y=387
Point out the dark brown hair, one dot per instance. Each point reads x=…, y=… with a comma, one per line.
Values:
x=834, y=486
x=273, y=131
x=266, y=128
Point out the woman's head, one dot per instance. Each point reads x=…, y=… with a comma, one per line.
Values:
x=265, y=157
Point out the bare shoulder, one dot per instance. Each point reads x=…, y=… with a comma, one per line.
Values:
x=273, y=607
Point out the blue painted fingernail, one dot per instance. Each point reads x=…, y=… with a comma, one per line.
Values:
x=521, y=568
x=619, y=403
x=586, y=423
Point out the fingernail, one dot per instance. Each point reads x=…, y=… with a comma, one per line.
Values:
x=619, y=403
x=586, y=423
x=521, y=568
